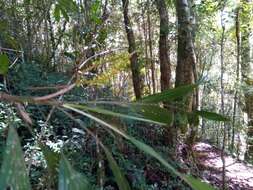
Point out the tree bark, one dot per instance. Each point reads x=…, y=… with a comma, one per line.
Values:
x=238, y=46
x=151, y=49
x=29, y=30
x=135, y=65
x=246, y=69
x=185, y=63
x=163, y=45
x=185, y=52
x=222, y=70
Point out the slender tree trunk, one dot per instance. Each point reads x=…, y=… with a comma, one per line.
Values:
x=238, y=46
x=52, y=39
x=151, y=49
x=29, y=31
x=163, y=45
x=146, y=54
x=135, y=65
x=223, y=108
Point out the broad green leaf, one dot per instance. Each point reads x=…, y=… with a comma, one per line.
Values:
x=212, y=116
x=198, y=184
x=140, y=145
x=153, y=112
x=151, y=152
x=69, y=179
x=13, y=171
x=148, y=111
x=4, y=64
x=170, y=94
x=57, y=13
x=119, y=176
x=52, y=160
x=127, y=116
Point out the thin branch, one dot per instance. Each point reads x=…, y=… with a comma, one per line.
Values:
x=58, y=93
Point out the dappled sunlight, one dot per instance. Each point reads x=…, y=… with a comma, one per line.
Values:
x=239, y=174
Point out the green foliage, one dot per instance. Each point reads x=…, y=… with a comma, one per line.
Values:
x=118, y=174
x=64, y=8
x=140, y=145
x=169, y=95
x=52, y=160
x=13, y=171
x=95, y=12
x=69, y=179
x=57, y=13
x=144, y=114
x=4, y=64
x=198, y=184
x=212, y=116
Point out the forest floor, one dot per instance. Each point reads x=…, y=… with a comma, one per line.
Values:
x=239, y=174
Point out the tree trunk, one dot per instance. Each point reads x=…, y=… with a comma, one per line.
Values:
x=185, y=52
x=29, y=30
x=163, y=45
x=247, y=72
x=238, y=46
x=52, y=39
x=135, y=65
x=147, y=58
x=222, y=70
x=151, y=49
x=185, y=60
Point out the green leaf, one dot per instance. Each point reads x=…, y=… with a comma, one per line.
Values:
x=212, y=116
x=65, y=14
x=13, y=171
x=198, y=184
x=153, y=113
x=150, y=151
x=140, y=145
x=119, y=176
x=57, y=13
x=4, y=64
x=69, y=179
x=68, y=5
x=52, y=159
x=127, y=116
x=170, y=94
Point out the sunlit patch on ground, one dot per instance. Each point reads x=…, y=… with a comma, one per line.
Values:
x=239, y=174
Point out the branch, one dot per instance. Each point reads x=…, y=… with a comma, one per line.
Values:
x=101, y=54
x=57, y=87
x=58, y=93
x=21, y=99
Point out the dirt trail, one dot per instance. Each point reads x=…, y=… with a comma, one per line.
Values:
x=239, y=174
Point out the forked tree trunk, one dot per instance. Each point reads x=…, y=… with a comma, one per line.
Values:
x=135, y=65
